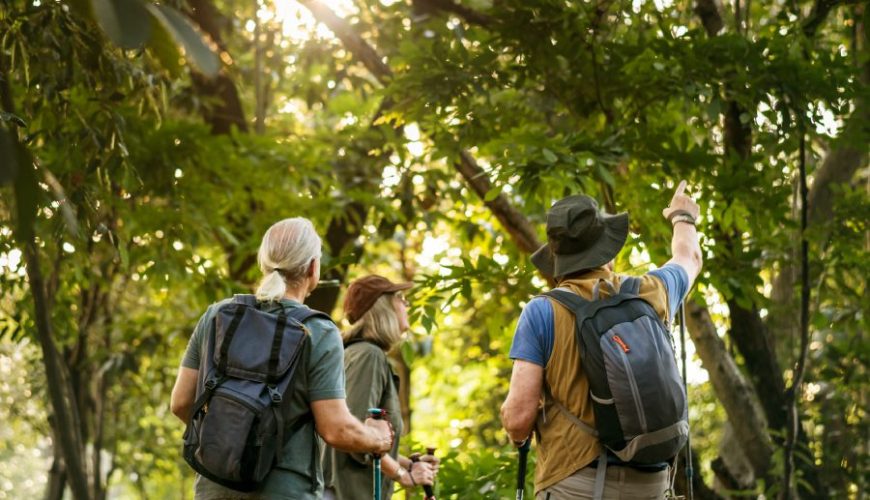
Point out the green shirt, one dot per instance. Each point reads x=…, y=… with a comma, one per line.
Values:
x=298, y=474
x=370, y=384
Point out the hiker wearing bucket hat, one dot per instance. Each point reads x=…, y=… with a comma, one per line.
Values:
x=377, y=311
x=549, y=389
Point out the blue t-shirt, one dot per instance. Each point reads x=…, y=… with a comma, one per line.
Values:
x=534, y=336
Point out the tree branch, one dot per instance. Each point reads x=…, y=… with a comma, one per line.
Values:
x=519, y=227
x=470, y=15
x=819, y=14
x=708, y=11
x=361, y=49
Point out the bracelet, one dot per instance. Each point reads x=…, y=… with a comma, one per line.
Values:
x=677, y=213
x=688, y=219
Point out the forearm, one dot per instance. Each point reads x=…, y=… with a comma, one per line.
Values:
x=391, y=467
x=182, y=412
x=520, y=408
x=686, y=250
x=350, y=435
x=183, y=394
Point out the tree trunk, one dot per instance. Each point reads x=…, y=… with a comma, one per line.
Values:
x=733, y=391
x=61, y=394
x=57, y=474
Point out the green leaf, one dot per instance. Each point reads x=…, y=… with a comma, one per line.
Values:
x=549, y=156
x=126, y=22
x=195, y=48
x=606, y=176
x=408, y=353
x=165, y=50
x=492, y=194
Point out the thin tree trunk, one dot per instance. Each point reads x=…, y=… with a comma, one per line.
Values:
x=259, y=91
x=60, y=392
x=57, y=474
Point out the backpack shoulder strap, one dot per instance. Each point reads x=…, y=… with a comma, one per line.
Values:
x=246, y=299
x=588, y=429
x=630, y=285
x=567, y=298
x=304, y=313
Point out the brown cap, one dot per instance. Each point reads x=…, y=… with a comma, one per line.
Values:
x=364, y=292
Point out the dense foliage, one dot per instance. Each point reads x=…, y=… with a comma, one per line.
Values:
x=426, y=140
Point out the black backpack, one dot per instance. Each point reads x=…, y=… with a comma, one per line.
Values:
x=638, y=397
x=237, y=428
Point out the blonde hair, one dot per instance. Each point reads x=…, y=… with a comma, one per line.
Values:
x=378, y=325
x=286, y=252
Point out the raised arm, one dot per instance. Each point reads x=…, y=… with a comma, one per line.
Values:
x=682, y=212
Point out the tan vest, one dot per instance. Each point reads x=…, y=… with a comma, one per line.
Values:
x=561, y=446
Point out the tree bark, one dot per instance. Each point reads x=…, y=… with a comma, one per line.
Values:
x=731, y=388
x=60, y=392
x=56, y=486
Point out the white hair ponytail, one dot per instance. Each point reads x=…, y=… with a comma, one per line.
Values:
x=286, y=252
x=272, y=287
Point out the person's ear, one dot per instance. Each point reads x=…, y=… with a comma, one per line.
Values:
x=312, y=268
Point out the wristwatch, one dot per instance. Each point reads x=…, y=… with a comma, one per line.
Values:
x=400, y=473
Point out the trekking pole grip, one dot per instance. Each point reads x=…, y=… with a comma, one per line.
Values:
x=427, y=488
x=376, y=414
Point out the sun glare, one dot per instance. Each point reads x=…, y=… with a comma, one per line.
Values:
x=298, y=24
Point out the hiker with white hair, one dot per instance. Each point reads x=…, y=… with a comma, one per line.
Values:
x=269, y=347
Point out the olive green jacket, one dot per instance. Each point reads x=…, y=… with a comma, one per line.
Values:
x=370, y=383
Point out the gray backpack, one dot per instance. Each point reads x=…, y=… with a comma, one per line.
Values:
x=237, y=429
x=638, y=397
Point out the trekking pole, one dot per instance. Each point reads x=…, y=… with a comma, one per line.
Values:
x=688, y=465
x=521, y=470
x=427, y=488
x=377, y=414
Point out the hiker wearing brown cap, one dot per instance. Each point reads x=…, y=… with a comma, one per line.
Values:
x=377, y=311
x=555, y=347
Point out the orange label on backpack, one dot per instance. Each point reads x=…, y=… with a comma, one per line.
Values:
x=618, y=340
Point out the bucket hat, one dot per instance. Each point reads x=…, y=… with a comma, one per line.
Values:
x=579, y=237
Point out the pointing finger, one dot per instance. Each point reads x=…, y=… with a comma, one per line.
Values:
x=680, y=188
